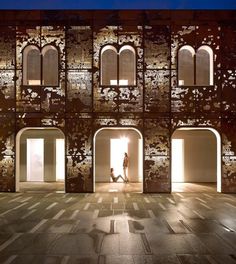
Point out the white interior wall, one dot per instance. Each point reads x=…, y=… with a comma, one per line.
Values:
x=200, y=155
x=49, y=136
x=102, y=153
x=35, y=159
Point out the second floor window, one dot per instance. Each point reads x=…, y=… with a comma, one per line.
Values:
x=118, y=67
x=195, y=68
x=40, y=67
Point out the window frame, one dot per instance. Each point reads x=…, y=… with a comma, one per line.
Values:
x=118, y=48
x=211, y=62
x=41, y=66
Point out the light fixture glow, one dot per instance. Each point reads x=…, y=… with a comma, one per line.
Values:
x=124, y=140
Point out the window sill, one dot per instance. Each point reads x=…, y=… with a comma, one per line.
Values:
x=208, y=85
x=39, y=85
x=118, y=86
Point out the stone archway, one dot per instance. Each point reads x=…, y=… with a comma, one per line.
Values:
x=40, y=159
x=196, y=156
x=110, y=143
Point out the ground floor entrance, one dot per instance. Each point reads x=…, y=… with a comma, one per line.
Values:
x=110, y=147
x=40, y=160
x=196, y=160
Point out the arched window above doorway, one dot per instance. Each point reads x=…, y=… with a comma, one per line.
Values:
x=40, y=67
x=108, y=65
x=118, y=67
x=204, y=66
x=31, y=65
x=186, y=65
x=127, y=66
x=50, y=65
x=195, y=68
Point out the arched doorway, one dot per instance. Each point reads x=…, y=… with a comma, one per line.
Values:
x=196, y=160
x=110, y=144
x=40, y=160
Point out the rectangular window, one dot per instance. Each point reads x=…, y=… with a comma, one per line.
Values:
x=35, y=159
x=177, y=162
x=60, y=159
x=118, y=147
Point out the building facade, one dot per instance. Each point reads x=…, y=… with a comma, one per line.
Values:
x=154, y=71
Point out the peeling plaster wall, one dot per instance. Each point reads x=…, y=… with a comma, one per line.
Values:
x=79, y=105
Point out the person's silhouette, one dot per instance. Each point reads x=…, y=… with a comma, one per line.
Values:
x=125, y=166
x=115, y=178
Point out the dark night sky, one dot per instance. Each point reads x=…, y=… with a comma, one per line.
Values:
x=117, y=4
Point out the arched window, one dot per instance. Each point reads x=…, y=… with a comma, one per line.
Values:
x=118, y=68
x=204, y=66
x=31, y=65
x=40, y=68
x=50, y=65
x=109, y=65
x=127, y=66
x=186, y=65
x=195, y=68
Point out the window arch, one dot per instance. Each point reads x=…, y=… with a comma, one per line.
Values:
x=195, y=68
x=31, y=65
x=186, y=65
x=40, y=67
x=118, y=67
x=204, y=66
x=109, y=65
x=127, y=65
x=50, y=65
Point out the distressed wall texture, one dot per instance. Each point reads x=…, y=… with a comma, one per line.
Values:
x=79, y=105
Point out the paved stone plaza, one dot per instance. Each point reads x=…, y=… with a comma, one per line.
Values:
x=111, y=228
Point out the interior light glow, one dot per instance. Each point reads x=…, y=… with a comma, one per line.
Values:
x=113, y=82
x=60, y=159
x=35, y=159
x=123, y=82
x=124, y=141
x=177, y=163
x=34, y=82
x=181, y=82
x=140, y=160
x=118, y=146
x=218, y=140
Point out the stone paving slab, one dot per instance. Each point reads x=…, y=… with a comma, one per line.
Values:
x=106, y=228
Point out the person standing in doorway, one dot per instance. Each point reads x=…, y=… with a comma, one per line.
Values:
x=125, y=166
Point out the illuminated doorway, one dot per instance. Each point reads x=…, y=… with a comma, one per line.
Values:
x=196, y=160
x=40, y=160
x=110, y=145
x=118, y=146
